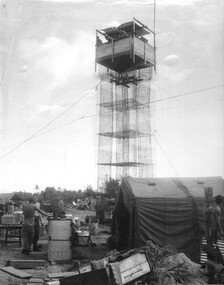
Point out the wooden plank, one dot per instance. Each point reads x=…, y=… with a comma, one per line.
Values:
x=15, y=272
x=139, y=50
x=121, y=46
x=21, y=264
x=35, y=283
x=62, y=274
x=36, y=280
x=56, y=282
x=115, y=269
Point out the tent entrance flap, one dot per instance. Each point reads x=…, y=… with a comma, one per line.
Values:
x=121, y=225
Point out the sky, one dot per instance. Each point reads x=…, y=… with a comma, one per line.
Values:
x=48, y=96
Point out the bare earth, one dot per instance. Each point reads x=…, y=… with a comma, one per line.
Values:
x=13, y=251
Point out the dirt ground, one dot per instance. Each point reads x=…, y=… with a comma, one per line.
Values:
x=86, y=254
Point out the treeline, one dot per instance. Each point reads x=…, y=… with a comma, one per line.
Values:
x=110, y=189
x=68, y=196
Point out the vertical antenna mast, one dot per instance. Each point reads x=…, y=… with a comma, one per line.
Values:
x=154, y=29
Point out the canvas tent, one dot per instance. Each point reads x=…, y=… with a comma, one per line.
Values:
x=164, y=210
x=5, y=197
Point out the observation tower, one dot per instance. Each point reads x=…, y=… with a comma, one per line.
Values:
x=125, y=59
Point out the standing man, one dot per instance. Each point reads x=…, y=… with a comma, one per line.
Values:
x=213, y=221
x=37, y=224
x=28, y=224
x=213, y=232
x=61, y=208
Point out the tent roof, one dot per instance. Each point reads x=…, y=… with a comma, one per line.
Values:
x=5, y=197
x=172, y=187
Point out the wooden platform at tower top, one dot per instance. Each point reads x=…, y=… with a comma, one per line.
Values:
x=124, y=48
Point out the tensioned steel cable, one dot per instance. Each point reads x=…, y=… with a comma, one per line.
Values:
x=49, y=123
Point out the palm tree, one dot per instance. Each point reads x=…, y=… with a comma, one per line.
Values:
x=36, y=188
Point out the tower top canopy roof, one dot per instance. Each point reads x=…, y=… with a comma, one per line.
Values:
x=128, y=28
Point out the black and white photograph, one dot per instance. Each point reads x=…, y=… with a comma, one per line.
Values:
x=111, y=142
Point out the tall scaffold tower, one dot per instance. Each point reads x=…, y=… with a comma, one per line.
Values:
x=125, y=61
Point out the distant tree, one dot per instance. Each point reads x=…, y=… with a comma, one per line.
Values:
x=68, y=196
x=111, y=187
x=80, y=194
x=49, y=194
x=89, y=191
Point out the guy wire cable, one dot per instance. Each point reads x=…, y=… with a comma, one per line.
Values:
x=49, y=123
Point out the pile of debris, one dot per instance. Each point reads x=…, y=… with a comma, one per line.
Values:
x=150, y=264
x=171, y=267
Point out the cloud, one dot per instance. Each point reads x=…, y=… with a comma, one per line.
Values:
x=176, y=2
x=52, y=109
x=128, y=2
x=173, y=74
x=112, y=24
x=24, y=69
x=181, y=76
x=171, y=60
x=165, y=39
x=60, y=59
x=64, y=1
x=3, y=59
x=208, y=12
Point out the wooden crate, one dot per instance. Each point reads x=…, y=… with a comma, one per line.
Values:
x=130, y=268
